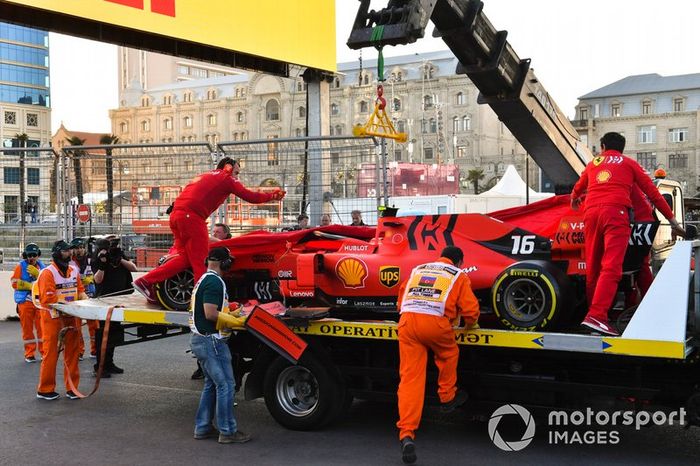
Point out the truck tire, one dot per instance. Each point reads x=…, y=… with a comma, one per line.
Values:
x=175, y=292
x=306, y=396
x=531, y=295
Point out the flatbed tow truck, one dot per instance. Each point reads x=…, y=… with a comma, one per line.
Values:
x=654, y=362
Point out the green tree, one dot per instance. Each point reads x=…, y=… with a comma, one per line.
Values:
x=107, y=140
x=474, y=176
x=77, y=169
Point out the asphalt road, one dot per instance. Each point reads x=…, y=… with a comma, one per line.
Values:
x=145, y=416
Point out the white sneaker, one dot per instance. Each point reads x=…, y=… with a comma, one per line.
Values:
x=598, y=326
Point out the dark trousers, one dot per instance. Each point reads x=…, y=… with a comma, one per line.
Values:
x=114, y=337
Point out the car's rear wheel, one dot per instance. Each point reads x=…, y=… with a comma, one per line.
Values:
x=531, y=295
x=175, y=292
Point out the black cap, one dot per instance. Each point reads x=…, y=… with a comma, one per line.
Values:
x=218, y=254
x=60, y=245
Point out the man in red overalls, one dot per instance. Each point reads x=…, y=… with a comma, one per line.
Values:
x=188, y=221
x=607, y=183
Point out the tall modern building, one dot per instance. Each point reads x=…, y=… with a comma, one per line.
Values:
x=426, y=99
x=658, y=115
x=25, y=108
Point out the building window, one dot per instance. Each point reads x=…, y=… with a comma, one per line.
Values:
x=398, y=153
x=146, y=125
x=301, y=86
x=455, y=125
x=168, y=124
x=272, y=153
x=335, y=158
x=123, y=127
x=433, y=125
x=678, y=135
x=10, y=118
x=646, y=134
x=239, y=117
x=365, y=79
x=301, y=112
x=335, y=109
x=211, y=119
x=11, y=175
x=427, y=101
x=167, y=100
x=211, y=94
x=428, y=72
x=646, y=107
x=583, y=113
x=678, y=161
x=364, y=107
x=187, y=121
x=428, y=153
x=32, y=119
x=615, y=110
x=145, y=101
x=187, y=97
x=336, y=83
x=33, y=176
x=678, y=105
x=299, y=134
x=338, y=130
x=647, y=160
x=399, y=76
x=168, y=165
x=401, y=126
x=146, y=167
x=272, y=110
x=467, y=124
x=424, y=125
x=397, y=104
x=461, y=151
x=460, y=99
x=188, y=165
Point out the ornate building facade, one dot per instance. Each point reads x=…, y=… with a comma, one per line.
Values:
x=426, y=99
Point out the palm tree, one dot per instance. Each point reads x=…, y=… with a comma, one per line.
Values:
x=77, y=169
x=109, y=139
x=475, y=176
x=22, y=139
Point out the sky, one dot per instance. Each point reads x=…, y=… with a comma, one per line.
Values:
x=575, y=48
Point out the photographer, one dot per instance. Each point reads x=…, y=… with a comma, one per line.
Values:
x=112, y=278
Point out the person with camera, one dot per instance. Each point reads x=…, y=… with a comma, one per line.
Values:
x=82, y=262
x=25, y=274
x=112, y=278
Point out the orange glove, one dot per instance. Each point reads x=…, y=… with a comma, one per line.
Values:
x=278, y=195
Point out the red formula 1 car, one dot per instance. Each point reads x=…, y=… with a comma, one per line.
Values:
x=525, y=264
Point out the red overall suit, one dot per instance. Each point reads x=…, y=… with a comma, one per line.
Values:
x=188, y=221
x=607, y=183
x=427, y=325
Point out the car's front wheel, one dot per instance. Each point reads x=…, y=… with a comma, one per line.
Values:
x=175, y=292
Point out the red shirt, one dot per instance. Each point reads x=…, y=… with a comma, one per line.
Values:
x=609, y=179
x=643, y=212
x=209, y=190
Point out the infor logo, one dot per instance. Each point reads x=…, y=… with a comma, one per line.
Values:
x=509, y=410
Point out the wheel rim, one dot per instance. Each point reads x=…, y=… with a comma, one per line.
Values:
x=178, y=289
x=525, y=300
x=297, y=391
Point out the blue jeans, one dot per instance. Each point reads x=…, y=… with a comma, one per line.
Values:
x=219, y=386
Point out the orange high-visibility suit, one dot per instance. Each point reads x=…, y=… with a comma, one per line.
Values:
x=88, y=279
x=54, y=287
x=29, y=316
x=434, y=295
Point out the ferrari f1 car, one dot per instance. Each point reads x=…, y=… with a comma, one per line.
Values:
x=525, y=264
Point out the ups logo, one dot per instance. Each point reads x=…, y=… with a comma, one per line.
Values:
x=389, y=275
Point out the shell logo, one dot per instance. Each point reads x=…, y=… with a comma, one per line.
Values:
x=564, y=226
x=603, y=177
x=352, y=272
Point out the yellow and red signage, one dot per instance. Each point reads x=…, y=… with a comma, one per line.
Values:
x=301, y=32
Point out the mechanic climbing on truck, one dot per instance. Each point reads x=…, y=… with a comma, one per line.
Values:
x=607, y=183
x=188, y=221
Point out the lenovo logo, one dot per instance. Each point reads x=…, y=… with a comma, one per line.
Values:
x=161, y=7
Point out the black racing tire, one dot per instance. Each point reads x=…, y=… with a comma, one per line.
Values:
x=306, y=396
x=532, y=295
x=175, y=292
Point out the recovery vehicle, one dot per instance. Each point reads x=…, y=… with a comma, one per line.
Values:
x=354, y=354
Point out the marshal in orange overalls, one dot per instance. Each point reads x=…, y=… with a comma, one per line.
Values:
x=56, y=287
x=434, y=295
